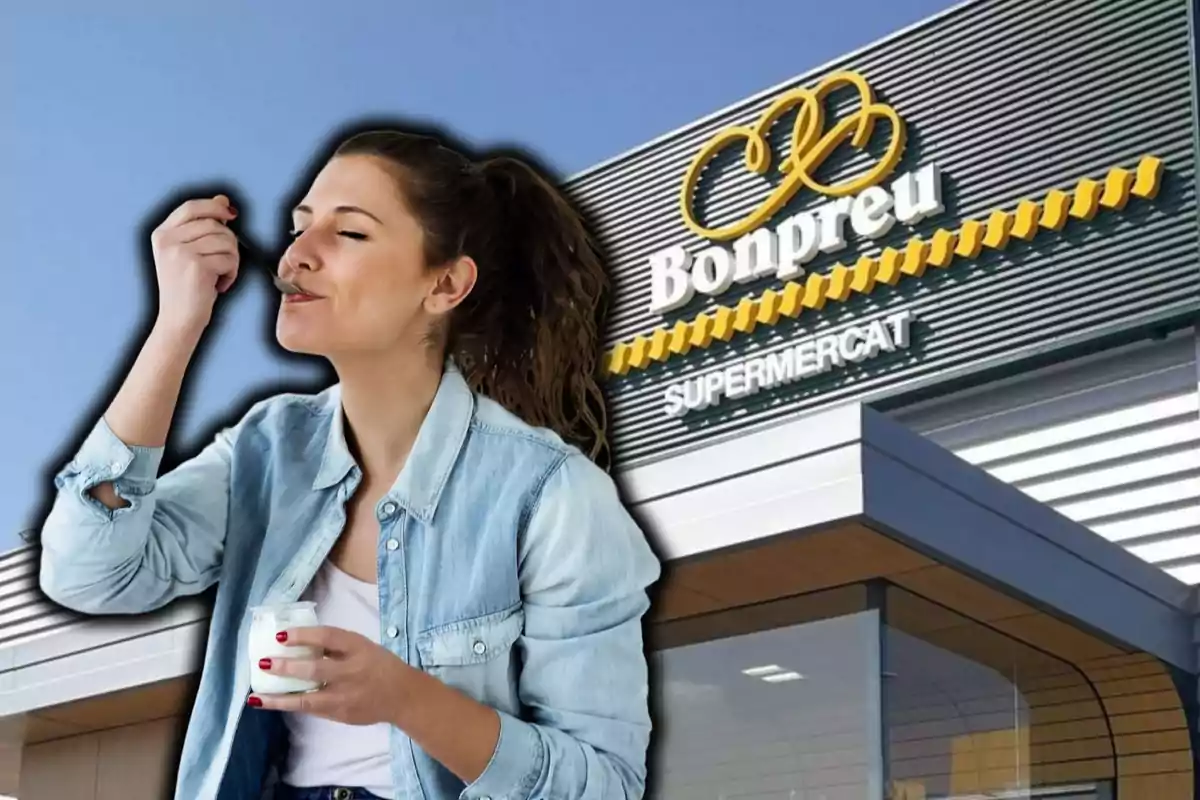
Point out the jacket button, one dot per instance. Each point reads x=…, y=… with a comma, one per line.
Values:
x=480, y=648
x=389, y=508
x=392, y=544
x=393, y=631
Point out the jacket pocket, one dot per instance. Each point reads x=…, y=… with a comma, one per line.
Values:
x=477, y=656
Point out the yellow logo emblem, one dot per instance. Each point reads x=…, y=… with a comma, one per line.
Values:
x=811, y=144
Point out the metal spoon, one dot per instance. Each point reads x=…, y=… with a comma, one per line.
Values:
x=284, y=286
x=255, y=254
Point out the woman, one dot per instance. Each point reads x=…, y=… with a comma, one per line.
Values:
x=481, y=587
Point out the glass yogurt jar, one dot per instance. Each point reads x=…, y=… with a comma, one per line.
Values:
x=265, y=622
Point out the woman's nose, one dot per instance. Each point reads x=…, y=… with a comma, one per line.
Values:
x=296, y=259
x=291, y=264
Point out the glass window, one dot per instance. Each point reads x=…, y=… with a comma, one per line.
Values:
x=971, y=712
x=788, y=712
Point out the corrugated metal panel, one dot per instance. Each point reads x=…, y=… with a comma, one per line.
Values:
x=1112, y=442
x=1011, y=98
x=35, y=633
x=24, y=611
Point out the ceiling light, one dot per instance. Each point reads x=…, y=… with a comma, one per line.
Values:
x=780, y=677
x=758, y=672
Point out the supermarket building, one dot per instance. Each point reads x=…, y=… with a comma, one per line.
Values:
x=903, y=382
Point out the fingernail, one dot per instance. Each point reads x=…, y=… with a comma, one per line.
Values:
x=281, y=637
x=264, y=663
x=254, y=702
x=233, y=210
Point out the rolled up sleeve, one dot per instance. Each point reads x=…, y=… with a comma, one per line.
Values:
x=167, y=542
x=585, y=567
x=105, y=458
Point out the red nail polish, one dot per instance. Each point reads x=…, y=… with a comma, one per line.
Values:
x=264, y=663
x=233, y=210
x=281, y=637
x=254, y=702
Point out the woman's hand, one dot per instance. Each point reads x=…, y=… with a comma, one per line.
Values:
x=364, y=682
x=195, y=259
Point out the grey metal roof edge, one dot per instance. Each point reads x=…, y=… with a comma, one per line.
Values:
x=928, y=498
x=159, y=654
x=931, y=518
x=742, y=452
x=889, y=436
x=765, y=93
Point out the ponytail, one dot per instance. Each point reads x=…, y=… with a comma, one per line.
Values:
x=529, y=333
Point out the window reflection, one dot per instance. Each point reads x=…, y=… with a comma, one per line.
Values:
x=809, y=698
x=971, y=712
x=789, y=712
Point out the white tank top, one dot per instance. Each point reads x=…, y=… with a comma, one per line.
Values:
x=327, y=753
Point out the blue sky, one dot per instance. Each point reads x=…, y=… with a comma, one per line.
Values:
x=108, y=112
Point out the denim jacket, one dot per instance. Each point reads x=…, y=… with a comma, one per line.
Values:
x=507, y=566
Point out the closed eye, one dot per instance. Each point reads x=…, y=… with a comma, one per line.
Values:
x=348, y=234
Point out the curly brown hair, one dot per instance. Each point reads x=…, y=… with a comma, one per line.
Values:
x=529, y=334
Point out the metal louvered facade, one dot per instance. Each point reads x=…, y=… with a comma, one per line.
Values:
x=23, y=609
x=1111, y=441
x=1010, y=99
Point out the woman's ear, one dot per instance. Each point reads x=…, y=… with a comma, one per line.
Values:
x=452, y=284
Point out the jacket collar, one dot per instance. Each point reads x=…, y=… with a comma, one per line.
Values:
x=418, y=487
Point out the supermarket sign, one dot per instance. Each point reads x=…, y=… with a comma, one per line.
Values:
x=860, y=206
x=868, y=206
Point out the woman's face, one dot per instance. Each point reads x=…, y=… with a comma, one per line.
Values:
x=358, y=257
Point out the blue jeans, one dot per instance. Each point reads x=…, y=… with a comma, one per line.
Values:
x=285, y=792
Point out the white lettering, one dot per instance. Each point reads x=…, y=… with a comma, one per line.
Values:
x=755, y=372
x=676, y=276
x=833, y=220
x=669, y=285
x=712, y=387
x=781, y=367
x=756, y=254
x=806, y=359
x=852, y=344
x=735, y=381
x=675, y=407
x=918, y=194
x=869, y=215
x=796, y=239
x=878, y=339
x=900, y=323
x=712, y=270
x=827, y=353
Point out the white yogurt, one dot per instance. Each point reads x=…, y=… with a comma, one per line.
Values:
x=266, y=621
